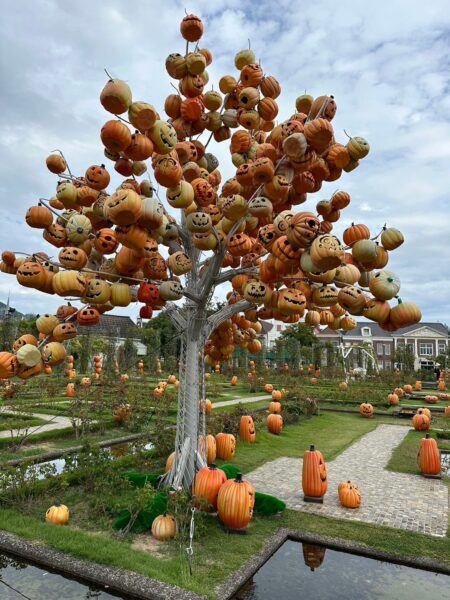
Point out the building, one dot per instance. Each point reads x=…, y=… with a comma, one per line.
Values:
x=425, y=341
x=115, y=328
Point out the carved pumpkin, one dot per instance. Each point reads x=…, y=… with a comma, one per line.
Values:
x=247, y=431
x=429, y=458
x=314, y=474
x=64, y=331
x=313, y=555
x=421, y=422
x=53, y=353
x=226, y=446
x=326, y=252
x=69, y=283
x=72, y=257
x=9, y=365
x=235, y=503
x=393, y=399
x=366, y=409
x=206, y=486
x=88, y=316
x=70, y=390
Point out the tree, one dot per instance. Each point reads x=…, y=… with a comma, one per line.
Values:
x=243, y=232
x=127, y=354
x=301, y=332
x=404, y=356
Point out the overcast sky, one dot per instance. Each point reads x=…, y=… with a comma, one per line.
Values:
x=385, y=62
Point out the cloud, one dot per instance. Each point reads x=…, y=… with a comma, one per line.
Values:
x=386, y=63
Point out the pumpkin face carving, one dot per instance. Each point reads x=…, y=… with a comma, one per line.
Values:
x=88, y=316
x=73, y=258
x=366, y=409
x=31, y=274
x=163, y=136
x=64, y=331
x=247, y=431
x=98, y=291
x=352, y=299
x=257, y=292
x=327, y=252
x=314, y=474
x=97, y=177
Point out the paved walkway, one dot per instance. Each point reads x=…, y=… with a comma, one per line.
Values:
x=246, y=400
x=53, y=422
x=392, y=499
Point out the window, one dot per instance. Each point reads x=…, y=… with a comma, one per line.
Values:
x=441, y=348
x=387, y=364
x=379, y=348
x=426, y=349
x=366, y=331
x=380, y=364
x=387, y=349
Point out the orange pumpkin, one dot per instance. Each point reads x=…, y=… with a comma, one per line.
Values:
x=429, y=458
x=247, y=431
x=164, y=527
x=393, y=399
x=275, y=407
x=205, y=489
x=366, y=409
x=235, y=503
x=314, y=474
x=349, y=495
x=234, y=380
x=274, y=423
x=226, y=446
x=421, y=422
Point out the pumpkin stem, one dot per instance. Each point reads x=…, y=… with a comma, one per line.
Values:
x=427, y=436
x=110, y=78
x=212, y=467
x=311, y=448
x=238, y=478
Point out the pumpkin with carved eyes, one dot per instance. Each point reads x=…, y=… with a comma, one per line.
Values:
x=366, y=409
x=302, y=229
x=257, y=292
x=163, y=136
x=53, y=353
x=199, y=222
x=327, y=252
x=358, y=148
x=55, y=234
x=352, y=299
x=98, y=291
x=377, y=310
x=69, y=283
x=226, y=446
x=72, y=257
x=88, y=316
x=291, y=301
x=239, y=244
x=179, y=263
x=171, y=290
x=64, y=331
x=31, y=274
x=285, y=251
x=46, y=323
x=325, y=296
x=124, y=207
x=384, y=285
x=27, y=338
x=247, y=431
x=314, y=474
x=97, y=177
x=180, y=195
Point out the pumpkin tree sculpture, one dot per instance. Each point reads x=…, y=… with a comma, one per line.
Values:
x=284, y=262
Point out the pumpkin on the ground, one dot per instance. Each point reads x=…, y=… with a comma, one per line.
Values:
x=366, y=409
x=226, y=446
x=58, y=514
x=429, y=457
x=275, y=407
x=235, y=503
x=275, y=423
x=314, y=473
x=247, y=431
x=421, y=422
x=207, y=484
x=393, y=399
x=349, y=495
x=164, y=527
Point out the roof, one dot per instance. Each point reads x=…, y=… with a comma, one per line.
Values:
x=111, y=326
x=377, y=331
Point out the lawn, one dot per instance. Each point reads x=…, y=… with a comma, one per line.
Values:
x=14, y=421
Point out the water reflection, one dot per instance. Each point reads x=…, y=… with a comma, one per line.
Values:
x=22, y=581
x=341, y=575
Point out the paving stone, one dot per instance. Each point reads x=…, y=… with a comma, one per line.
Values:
x=397, y=500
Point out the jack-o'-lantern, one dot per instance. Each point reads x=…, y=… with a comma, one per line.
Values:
x=72, y=257
x=285, y=251
x=199, y=222
x=239, y=244
x=53, y=353
x=257, y=292
x=55, y=234
x=27, y=338
x=291, y=301
x=366, y=409
x=180, y=263
x=352, y=299
x=31, y=274
x=124, y=207
x=325, y=296
x=163, y=136
x=88, y=316
x=377, y=310
x=170, y=290
x=302, y=229
x=97, y=177
x=46, y=323
x=314, y=474
x=180, y=195
x=327, y=252
x=69, y=283
x=9, y=365
x=64, y=331
x=247, y=431
x=97, y=291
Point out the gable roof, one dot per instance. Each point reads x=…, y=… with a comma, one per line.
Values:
x=114, y=326
x=377, y=331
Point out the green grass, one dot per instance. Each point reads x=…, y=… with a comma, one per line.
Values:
x=216, y=554
x=404, y=457
x=11, y=421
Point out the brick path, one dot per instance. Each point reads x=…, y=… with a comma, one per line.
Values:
x=391, y=499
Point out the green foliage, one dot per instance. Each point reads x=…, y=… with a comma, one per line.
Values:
x=127, y=355
x=405, y=357
x=301, y=332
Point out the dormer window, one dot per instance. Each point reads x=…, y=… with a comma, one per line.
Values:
x=366, y=331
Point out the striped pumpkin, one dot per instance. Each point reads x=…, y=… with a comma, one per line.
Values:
x=207, y=484
x=314, y=473
x=429, y=458
x=235, y=503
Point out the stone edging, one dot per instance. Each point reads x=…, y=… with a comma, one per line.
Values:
x=234, y=582
x=114, y=579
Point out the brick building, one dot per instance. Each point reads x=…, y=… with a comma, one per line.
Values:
x=424, y=340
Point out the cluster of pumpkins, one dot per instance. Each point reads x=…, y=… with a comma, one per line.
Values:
x=238, y=331
x=110, y=242
x=315, y=481
x=161, y=387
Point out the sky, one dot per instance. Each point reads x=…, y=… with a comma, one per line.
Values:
x=386, y=63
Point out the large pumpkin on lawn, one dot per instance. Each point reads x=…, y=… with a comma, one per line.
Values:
x=421, y=422
x=429, y=458
x=247, y=431
x=57, y=514
x=164, y=527
x=366, y=409
x=275, y=423
x=207, y=484
x=225, y=446
x=314, y=474
x=235, y=503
